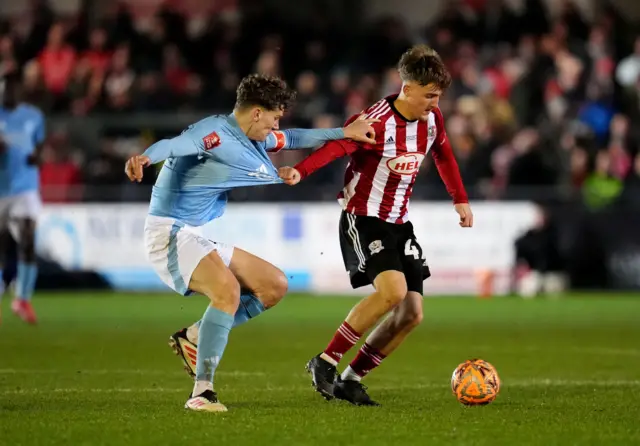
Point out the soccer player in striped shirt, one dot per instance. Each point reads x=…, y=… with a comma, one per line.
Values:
x=378, y=243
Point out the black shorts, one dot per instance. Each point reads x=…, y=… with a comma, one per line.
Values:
x=371, y=246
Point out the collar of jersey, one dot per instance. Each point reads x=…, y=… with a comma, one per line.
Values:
x=390, y=100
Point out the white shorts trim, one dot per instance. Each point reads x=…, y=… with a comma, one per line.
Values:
x=175, y=250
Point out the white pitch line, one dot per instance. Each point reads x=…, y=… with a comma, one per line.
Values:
x=607, y=351
x=78, y=390
x=603, y=351
x=236, y=373
x=432, y=385
x=532, y=382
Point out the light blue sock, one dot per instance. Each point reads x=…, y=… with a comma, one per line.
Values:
x=26, y=280
x=250, y=307
x=214, y=333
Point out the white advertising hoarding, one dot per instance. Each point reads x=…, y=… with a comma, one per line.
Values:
x=302, y=239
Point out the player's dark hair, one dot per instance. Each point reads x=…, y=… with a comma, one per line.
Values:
x=268, y=92
x=422, y=64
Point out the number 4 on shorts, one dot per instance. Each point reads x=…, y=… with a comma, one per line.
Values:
x=411, y=250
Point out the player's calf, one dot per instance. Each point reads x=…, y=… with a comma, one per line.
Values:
x=184, y=343
x=263, y=286
x=386, y=337
x=213, y=279
x=407, y=317
x=391, y=289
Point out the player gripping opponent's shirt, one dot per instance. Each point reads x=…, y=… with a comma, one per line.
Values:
x=209, y=158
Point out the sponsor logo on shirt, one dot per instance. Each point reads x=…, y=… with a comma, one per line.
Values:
x=406, y=164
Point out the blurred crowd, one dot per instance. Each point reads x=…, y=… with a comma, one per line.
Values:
x=540, y=107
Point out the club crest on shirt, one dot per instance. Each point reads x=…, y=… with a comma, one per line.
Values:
x=375, y=247
x=211, y=141
x=432, y=131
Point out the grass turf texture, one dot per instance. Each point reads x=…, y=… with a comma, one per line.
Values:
x=97, y=370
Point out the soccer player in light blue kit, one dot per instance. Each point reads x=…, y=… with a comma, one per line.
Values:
x=209, y=158
x=22, y=132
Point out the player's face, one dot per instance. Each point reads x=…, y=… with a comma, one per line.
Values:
x=422, y=99
x=266, y=121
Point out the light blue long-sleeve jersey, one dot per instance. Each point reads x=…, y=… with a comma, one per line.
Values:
x=213, y=156
x=21, y=129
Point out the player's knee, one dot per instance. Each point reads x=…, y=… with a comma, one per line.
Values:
x=278, y=288
x=392, y=288
x=273, y=290
x=395, y=295
x=412, y=318
x=231, y=290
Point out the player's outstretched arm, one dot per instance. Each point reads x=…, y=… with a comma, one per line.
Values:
x=449, y=171
x=181, y=145
x=324, y=155
x=359, y=130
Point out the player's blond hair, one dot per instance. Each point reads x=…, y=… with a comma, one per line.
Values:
x=422, y=64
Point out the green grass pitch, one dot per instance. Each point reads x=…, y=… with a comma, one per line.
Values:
x=97, y=371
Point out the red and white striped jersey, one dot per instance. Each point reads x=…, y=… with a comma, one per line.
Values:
x=379, y=178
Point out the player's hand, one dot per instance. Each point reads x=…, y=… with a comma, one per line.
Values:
x=466, y=216
x=134, y=167
x=361, y=130
x=289, y=175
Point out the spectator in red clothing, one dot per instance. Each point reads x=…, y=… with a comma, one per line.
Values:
x=60, y=179
x=57, y=60
x=175, y=73
x=98, y=56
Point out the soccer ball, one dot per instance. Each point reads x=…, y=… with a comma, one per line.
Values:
x=475, y=382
